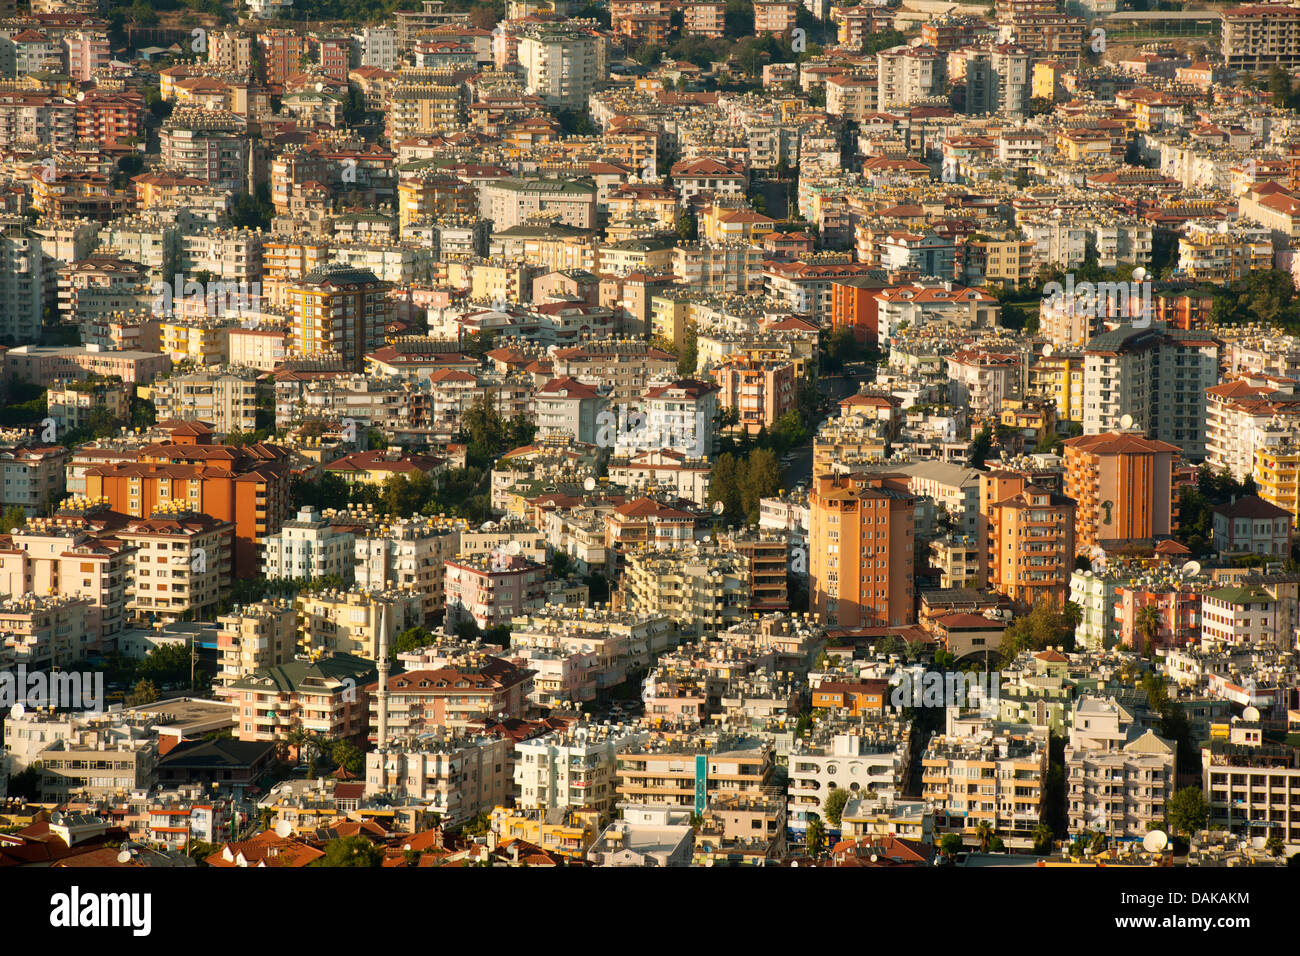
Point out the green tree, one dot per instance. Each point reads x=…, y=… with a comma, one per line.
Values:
x=981, y=447
x=835, y=802
x=347, y=756
x=1187, y=811
x=144, y=692
x=15, y=516
x=1043, y=837
x=984, y=835
x=816, y=836
x=411, y=639
x=950, y=844
x=1147, y=625
x=351, y=851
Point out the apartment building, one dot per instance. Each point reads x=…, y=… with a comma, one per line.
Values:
x=456, y=696
x=1257, y=36
x=1157, y=378
x=704, y=19
x=456, y=777
x=1121, y=792
x=908, y=74
x=861, y=550
x=21, y=283
x=688, y=774
x=1123, y=487
x=247, y=486
x=1250, y=525
x=338, y=311
x=72, y=403
x=761, y=392
x=326, y=697
x=210, y=145
x=492, y=590
x=986, y=779
x=870, y=764
x=562, y=65
x=255, y=637
x=1222, y=254
x=355, y=621
x=512, y=202
x=98, y=761
x=409, y=553
x=565, y=407
x=226, y=400
x=310, y=546
x=1250, y=785
x=182, y=563
x=704, y=590
x=775, y=17
x=573, y=768
x=1029, y=535
x=63, y=556
x=43, y=632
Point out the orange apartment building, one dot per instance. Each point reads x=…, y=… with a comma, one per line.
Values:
x=855, y=698
x=1029, y=536
x=853, y=306
x=246, y=486
x=861, y=550
x=1123, y=487
x=760, y=392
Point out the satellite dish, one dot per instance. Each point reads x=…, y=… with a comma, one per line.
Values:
x=1047, y=349
x=718, y=507
x=1126, y=421
x=1259, y=842
x=17, y=710
x=1155, y=841
x=320, y=87
x=283, y=829
x=1250, y=713
x=124, y=856
x=513, y=547
x=589, y=484
x=56, y=818
x=1139, y=274
x=1192, y=568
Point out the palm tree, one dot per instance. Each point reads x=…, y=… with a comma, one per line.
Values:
x=1147, y=624
x=984, y=834
x=1043, y=836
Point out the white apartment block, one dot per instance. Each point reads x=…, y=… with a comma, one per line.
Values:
x=410, y=553
x=226, y=400
x=907, y=74
x=560, y=65
x=309, y=546
x=457, y=777
x=1158, y=377
x=864, y=766
x=1121, y=791
x=377, y=47
x=575, y=768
